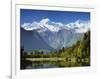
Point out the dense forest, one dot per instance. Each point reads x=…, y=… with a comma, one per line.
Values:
x=78, y=53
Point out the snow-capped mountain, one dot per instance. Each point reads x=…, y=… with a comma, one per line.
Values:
x=79, y=26
x=32, y=40
x=45, y=24
x=55, y=35
x=41, y=26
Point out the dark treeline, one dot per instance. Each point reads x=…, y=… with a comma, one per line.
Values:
x=79, y=51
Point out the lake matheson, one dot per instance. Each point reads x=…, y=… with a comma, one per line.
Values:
x=54, y=39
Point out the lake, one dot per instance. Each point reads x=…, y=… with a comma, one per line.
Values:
x=32, y=63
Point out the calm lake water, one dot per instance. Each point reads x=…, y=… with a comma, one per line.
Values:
x=51, y=64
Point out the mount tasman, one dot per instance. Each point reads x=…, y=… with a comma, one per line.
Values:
x=49, y=35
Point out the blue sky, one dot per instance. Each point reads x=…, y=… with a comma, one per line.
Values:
x=33, y=19
x=30, y=15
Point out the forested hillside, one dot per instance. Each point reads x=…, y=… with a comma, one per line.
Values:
x=80, y=51
x=76, y=55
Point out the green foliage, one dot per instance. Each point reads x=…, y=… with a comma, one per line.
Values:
x=78, y=52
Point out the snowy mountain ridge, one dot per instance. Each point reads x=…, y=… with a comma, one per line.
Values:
x=45, y=24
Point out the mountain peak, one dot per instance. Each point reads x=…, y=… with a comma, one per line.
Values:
x=46, y=24
x=54, y=34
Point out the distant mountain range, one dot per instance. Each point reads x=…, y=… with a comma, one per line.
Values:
x=49, y=35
